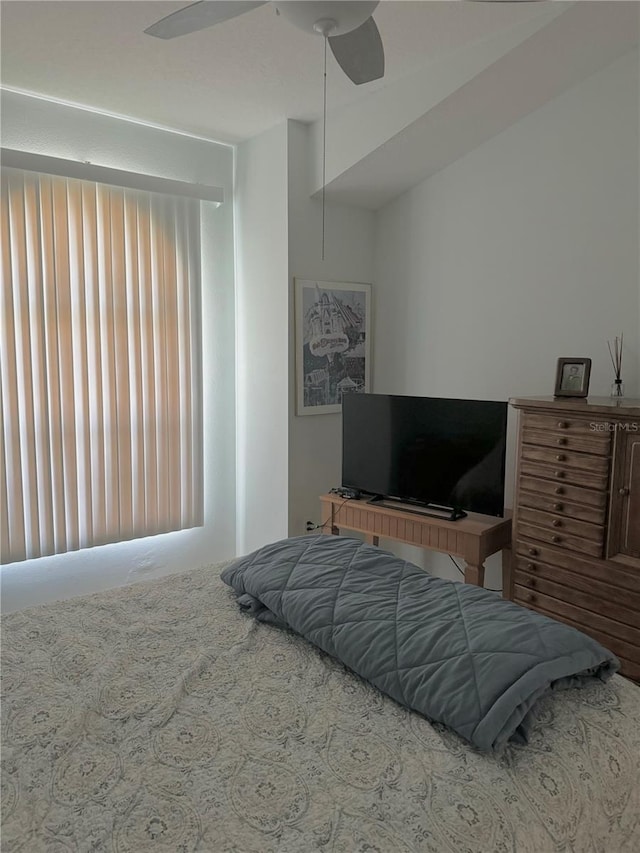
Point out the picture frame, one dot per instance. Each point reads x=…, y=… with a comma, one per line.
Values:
x=332, y=342
x=572, y=377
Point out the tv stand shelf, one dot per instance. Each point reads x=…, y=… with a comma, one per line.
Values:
x=444, y=513
x=473, y=538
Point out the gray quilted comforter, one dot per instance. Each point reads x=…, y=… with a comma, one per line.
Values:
x=456, y=653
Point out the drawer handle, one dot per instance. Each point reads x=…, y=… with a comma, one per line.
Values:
x=559, y=507
x=561, y=441
x=559, y=474
x=557, y=522
x=556, y=538
x=531, y=581
x=623, y=492
x=531, y=567
x=533, y=552
x=531, y=597
x=561, y=457
x=559, y=491
x=563, y=425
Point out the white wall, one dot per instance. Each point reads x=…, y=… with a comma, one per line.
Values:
x=262, y=343
x=315, y=441
x=522, y=251
x=40, y=126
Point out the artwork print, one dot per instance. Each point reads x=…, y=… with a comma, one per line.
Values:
x=333, y=322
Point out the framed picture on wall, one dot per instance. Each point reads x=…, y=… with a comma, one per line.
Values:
x=333, y=343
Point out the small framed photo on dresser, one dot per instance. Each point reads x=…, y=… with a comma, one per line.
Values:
x=572, y=377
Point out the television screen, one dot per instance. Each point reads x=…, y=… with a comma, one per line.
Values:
x=426, y=450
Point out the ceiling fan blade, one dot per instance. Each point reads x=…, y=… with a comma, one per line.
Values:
x=360, y=53
x=198, y=16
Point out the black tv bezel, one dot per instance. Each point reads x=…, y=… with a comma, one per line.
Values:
x=410, y=503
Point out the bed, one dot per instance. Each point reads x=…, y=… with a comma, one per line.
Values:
x=159, y=717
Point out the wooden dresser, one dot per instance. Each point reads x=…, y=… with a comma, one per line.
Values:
x=576, y=526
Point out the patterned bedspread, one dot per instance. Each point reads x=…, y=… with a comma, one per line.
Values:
x=158, y=717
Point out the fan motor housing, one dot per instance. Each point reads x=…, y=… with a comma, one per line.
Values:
x=305, y=14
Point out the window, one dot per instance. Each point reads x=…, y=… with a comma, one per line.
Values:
x=100, y=365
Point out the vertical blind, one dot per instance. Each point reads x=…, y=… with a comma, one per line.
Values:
x=100, y=357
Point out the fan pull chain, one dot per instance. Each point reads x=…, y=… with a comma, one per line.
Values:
x=324, y=142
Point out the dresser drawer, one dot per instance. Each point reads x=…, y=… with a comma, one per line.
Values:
x=628, y=653
x=530, y=569
x=562, y=508
x=597, y=443
x=598, y=570
x=561, y=524
x=566, y=458
x=628, y=668
x=587, y=599
x=561, y=474
x=554, y=492
x=561, y=540
x=569, y=426
x=558, y=608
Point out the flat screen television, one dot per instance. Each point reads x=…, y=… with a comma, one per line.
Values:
x=426, y=451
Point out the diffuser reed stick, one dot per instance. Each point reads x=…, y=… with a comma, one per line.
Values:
x=615, y=351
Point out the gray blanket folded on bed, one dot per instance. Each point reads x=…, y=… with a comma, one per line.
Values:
x=456, y=653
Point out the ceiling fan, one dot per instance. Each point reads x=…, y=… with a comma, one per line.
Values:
x=348, y=27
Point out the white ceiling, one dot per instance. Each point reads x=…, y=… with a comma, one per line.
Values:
x=228, y=82
x=543, y=59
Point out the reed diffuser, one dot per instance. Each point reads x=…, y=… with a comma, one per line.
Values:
x=615, y=351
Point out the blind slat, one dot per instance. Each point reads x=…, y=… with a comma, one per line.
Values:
x=135, y=362
x=38, y=371
x=184, y=361
x=15, y=542
x=148, y=274
x=160, y=368
x=52, y=369
x=195, y=331
x=79, y=353
x=121, y=365
x=66, y=332
x=18, y=518
x=94, y=348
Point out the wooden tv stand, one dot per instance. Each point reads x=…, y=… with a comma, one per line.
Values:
x=473, y=538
